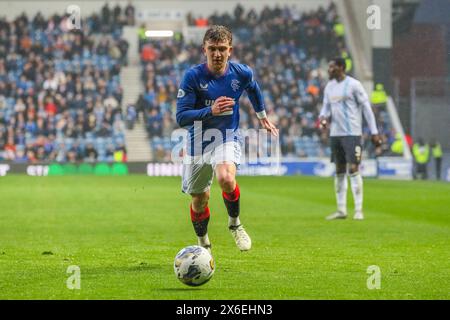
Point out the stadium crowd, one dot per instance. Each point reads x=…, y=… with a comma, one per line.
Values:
x=60, y=90
x=61, y=96
x=287, y=49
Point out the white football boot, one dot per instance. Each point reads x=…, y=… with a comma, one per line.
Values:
x=242, y=239
x=337, y=215
x=358, y=215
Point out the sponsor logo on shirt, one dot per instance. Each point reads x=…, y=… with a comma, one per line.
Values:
x=337, y=99
x=204, y=87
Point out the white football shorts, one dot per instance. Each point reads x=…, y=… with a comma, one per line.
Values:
x=198, y=171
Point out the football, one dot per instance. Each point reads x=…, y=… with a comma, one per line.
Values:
x=194, y=265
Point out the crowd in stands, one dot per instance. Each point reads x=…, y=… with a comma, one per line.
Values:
x=60, y=90
x=288, y=50
x=61, y=96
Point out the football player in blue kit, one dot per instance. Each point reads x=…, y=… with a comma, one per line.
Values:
x=208, y=104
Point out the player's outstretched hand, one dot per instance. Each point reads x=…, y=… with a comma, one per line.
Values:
x=269, y=126
x=376, y=140
x=221, y=105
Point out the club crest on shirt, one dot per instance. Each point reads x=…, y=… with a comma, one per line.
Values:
x=181, y=93
x=235, y=85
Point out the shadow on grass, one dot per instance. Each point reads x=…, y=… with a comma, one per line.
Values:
x=180, y=289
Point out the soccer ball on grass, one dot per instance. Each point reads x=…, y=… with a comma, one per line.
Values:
x=194, y=265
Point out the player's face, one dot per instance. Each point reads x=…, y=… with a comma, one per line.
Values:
x=333, y=70
x=217, y=54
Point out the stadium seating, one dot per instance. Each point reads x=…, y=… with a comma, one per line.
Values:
x=61, y=93
x=60, y=89
x=287, y=49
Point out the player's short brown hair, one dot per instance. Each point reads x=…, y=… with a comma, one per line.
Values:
x=218, y=33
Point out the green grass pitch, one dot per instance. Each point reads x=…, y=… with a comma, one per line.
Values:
x=123, y=233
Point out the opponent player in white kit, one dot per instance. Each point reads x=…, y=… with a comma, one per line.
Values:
x=209, y=96
x=344, y=103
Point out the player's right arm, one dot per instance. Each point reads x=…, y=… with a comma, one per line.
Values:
x=325, y=113
x=186, y=98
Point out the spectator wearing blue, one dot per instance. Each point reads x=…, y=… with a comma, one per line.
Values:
x=45, y=88
x=131, y=116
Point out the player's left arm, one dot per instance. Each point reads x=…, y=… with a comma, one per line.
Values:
x=257, y=100
x=363, y=100
x=370, y=118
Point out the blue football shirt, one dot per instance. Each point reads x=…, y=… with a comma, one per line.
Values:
x=198, y=91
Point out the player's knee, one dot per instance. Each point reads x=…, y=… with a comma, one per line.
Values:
x=354, y=168
x=227, y=182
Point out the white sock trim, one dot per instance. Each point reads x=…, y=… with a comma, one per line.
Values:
x=204, y=240
x=233, y=221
